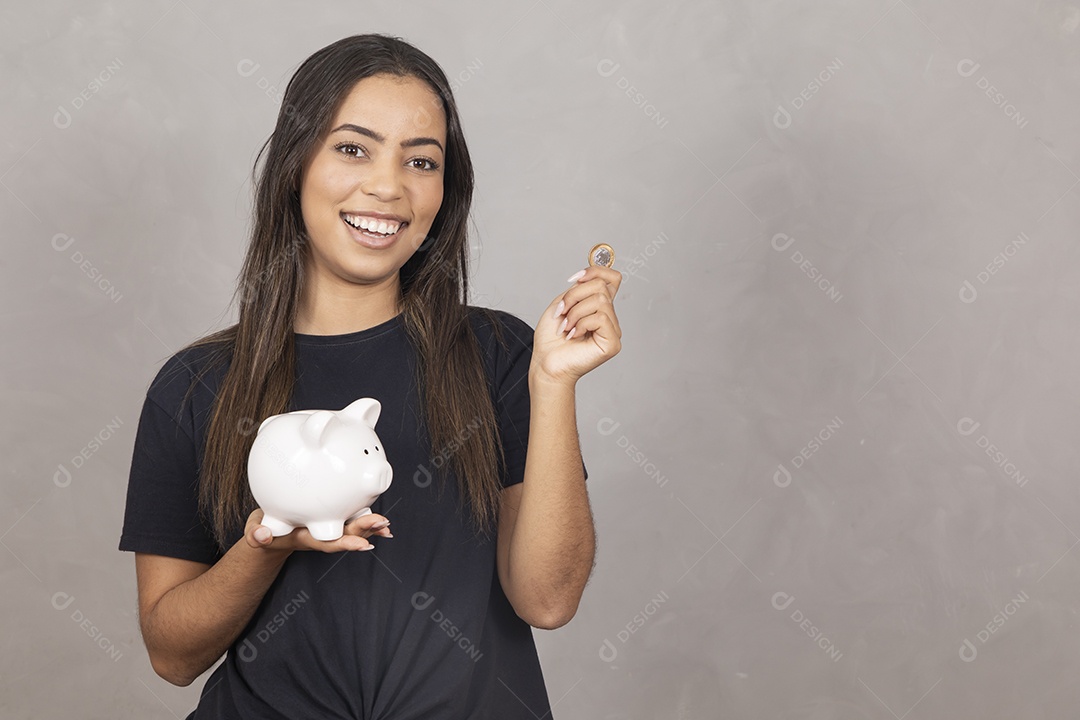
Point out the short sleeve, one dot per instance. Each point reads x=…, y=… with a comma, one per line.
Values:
x=512, y=395
x=161, y=516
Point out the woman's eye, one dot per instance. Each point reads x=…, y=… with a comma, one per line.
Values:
x=431, y=163
x=344, y=146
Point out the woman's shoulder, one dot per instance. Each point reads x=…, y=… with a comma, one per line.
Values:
x=506, y=341
x=492, y=324
x=194, y=369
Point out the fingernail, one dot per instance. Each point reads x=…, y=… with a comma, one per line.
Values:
x=380, y=525
x=575, y=276
x=571, y=333
x=559, y=309
x=562, y=327
x=262, y=534
x=369, y=547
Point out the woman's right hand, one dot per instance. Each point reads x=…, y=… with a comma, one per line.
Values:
x=355, y=537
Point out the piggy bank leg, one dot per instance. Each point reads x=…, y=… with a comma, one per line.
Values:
x=277, y=527
x=362, y=513
x=327, y=529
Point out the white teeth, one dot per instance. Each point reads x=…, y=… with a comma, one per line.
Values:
x=383, y=227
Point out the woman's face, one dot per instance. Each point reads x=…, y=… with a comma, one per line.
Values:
x=389, y=158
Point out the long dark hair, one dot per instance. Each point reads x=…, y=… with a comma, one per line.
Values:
x=434, y=295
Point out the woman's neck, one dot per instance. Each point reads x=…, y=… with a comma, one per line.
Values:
x=343, y=307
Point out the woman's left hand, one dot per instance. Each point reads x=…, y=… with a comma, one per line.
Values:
x=590, y=329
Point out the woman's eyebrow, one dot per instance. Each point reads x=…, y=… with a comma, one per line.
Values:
x=412, y=142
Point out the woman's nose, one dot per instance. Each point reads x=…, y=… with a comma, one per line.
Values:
x=382, y=179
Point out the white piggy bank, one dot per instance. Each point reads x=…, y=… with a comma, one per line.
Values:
x=318, y=468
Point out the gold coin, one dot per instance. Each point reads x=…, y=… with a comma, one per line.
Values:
x=602, y=254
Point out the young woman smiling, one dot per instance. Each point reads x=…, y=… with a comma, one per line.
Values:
x=355, y=284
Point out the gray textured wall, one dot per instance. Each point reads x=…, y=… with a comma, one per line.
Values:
x=833, y=468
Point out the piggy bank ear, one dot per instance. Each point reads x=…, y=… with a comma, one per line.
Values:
x=295, y=412
x=312, y=429
x=365, y=409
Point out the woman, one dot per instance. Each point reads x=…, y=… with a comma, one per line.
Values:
x=355, y=285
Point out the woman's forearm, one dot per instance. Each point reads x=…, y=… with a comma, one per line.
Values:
x=553, y=543
x=192, y=625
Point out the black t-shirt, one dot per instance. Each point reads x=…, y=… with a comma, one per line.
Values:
x=419, y=627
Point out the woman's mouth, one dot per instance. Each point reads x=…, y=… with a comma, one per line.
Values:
x=372, y=232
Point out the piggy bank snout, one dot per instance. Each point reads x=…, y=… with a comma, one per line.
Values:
x=379, y=475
